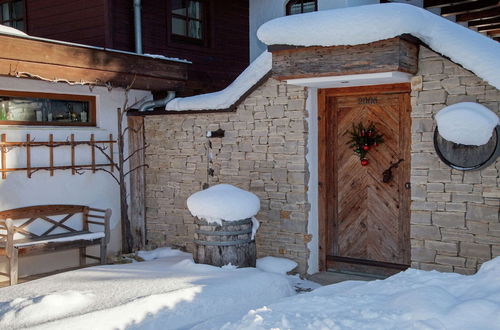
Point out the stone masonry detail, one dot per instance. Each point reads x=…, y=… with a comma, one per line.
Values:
x=455, y=214
x=263, y=151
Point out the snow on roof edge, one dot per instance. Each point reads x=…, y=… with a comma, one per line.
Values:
x=230, y=95
x=6, y=30
x=365, y=24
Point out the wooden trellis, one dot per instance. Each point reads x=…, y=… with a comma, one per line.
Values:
x=103, y=146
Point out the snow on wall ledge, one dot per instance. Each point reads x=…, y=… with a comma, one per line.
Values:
x=365, y=24
x=227, y=97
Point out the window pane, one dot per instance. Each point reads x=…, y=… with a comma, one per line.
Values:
x=5, y=12
x=194, y=9
x=18, y=10
x=43, y=110
x=295, y=9
x=179, y=7
x=309, y=6
x=195, y=29
x=18, y=25
x=179, y=26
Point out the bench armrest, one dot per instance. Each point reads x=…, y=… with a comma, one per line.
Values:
x=104, y=220
x=7, y=236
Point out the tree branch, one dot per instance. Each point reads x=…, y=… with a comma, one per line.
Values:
x=136, y=168
x=78, y=171
x=21, y=74
x=135, y=151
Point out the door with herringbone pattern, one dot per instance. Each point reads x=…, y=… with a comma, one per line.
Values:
x=369, y=218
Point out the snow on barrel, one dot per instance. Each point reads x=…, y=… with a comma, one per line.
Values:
x=225, y=225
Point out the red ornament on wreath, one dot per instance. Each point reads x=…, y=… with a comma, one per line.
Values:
x=362, y=139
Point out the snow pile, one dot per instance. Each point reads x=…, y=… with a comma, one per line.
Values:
x=413, y=299
x=172, y=292
x=276, y=265
x=159, y=253
x=10, y=30
x=225, y=98
x=365, y=24
x=223, y=202
x=467, y=123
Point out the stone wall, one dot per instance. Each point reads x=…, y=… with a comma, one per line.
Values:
x=455, y=214
x=263, y=151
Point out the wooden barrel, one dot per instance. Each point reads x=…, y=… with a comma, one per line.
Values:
x=219, y=245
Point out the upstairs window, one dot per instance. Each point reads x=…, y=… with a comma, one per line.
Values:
x=301, y=6
x=188, y=20
x=12, y=14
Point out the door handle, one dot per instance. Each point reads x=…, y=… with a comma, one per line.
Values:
x=387, y=174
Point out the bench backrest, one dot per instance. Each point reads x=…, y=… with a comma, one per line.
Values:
x=45, y=213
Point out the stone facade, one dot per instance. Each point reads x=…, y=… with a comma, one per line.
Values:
x=455, y=223
x=455, y=214
x=263, y=151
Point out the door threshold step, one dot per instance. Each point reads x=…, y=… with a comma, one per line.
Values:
x=333, y=276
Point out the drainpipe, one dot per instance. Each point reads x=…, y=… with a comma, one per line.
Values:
x=138, y=26
x=150, y=105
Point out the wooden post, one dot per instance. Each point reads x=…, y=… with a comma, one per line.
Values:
x=73, y=154
x=137, y=181
x=92, y=148
x=51, y=153
x=4, y=156
x=28, y=156
x=112, y=167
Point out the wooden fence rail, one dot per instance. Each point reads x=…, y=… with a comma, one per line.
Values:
x=104, y=146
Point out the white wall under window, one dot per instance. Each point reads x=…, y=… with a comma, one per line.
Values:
x=94, y=189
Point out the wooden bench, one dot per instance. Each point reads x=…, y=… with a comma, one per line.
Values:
x=17, y=237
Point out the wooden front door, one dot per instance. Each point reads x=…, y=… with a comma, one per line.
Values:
x=363, y=219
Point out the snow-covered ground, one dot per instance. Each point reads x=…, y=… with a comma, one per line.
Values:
x=167, y=293
x=174, y=293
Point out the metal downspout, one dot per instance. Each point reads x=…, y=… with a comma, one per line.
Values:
x=149, y=105
x=138, y=26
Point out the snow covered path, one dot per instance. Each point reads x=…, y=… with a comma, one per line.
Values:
x=174, y=293
x=168, y=293
x=413, y=299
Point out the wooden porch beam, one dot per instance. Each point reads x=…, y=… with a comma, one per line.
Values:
x=468, y=7
x=494, y=33
x=488, y=13
x=485, y=22
x=488, y=28
x=442, y=3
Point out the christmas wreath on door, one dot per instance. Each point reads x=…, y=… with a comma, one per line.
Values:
x=363, y=139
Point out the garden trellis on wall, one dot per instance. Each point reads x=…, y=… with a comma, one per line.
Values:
x=105, y=147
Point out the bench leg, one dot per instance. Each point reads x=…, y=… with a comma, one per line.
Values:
x=83, y=258
x=103, y=253
x=13, y=267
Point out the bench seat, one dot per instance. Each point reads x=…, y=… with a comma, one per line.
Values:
x=17, y=239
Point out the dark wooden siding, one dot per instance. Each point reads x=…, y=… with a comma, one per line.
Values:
x=75, y=21
x=215, y=64
x=109, y=23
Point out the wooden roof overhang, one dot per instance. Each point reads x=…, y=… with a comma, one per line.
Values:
x=482, y=15
x=394, y=54
x=37, y=58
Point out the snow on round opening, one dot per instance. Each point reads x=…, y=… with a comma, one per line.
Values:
x=223, y=202
x=467, y=123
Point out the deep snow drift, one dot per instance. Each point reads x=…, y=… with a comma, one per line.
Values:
x=413, y=299
x=168, y=293
x=175, y=293
x=365, y=24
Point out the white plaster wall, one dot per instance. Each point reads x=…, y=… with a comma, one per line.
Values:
x=97, y=190
x=262, y=11
x=312, y=191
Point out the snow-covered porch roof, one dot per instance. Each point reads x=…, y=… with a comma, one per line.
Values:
x=357, y=26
